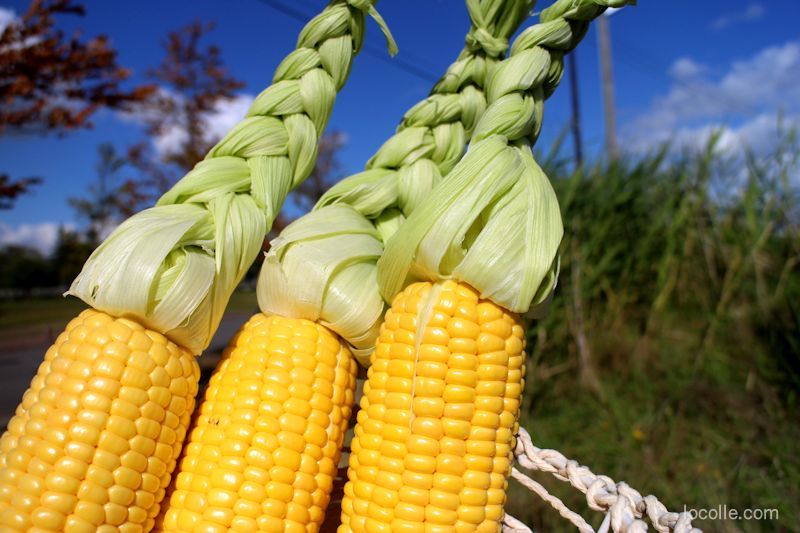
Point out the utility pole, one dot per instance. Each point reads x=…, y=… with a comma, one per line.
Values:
x=606, y=69
x=576, y=109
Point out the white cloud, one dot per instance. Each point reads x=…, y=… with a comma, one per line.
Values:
x=170, y=140
x=7, y=16
x=759, y=134
x=744, y=103
x=752, y=12
x=41, y=236
x=685, y=68
x=226, y=114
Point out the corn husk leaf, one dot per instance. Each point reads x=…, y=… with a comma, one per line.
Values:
x=322, y=268
x=493, y=223
x=174, y=267
x=369, y=192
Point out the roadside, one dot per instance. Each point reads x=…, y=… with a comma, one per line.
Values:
x=29, y=327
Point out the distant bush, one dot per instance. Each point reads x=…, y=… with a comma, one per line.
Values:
x=25, y=270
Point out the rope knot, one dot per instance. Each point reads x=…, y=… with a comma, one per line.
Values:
x=625, y=507
x=481, y=39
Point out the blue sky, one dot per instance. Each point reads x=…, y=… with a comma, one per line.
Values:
x=682, y=69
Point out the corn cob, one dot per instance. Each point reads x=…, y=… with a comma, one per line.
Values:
x=97, y=434
x=265, y=448
x=192, y=507
x=435, y=434
x=95, y=440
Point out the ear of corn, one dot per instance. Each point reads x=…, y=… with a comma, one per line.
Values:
x=328, y=278
x=322, y=267
x=435, y=434
x=99, y=431
x=96, y=438
x=265, y=448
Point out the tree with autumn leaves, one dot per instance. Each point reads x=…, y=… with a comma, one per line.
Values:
x=53, y=83
x=192, y=80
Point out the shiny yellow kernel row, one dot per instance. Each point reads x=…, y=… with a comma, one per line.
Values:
x=97, y=435
x=264, y=449
x=435, y=433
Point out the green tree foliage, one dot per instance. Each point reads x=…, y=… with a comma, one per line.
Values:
x=23, y=268
x=69, y=254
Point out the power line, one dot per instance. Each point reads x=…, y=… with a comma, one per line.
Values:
x=400, y=63
x=375, y=51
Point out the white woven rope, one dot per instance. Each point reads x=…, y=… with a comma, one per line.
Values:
x=625, y=508
x=512, y=525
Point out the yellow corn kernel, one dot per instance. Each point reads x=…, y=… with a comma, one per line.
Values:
x=273, y=469
x=443, y=392
x=78, y=452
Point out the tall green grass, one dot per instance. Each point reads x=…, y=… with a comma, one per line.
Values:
x=670, y=357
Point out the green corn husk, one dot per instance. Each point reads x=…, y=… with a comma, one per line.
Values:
x=323, y=266
x=173, y=267
x=434, y=133
x=494, y=221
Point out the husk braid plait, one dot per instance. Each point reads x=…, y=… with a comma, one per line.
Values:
x=433, y=134
x=322, y=267
x=173, y=267
x=494, y=221
x=535, y=67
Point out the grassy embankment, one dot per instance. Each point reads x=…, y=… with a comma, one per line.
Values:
x=670, y=357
